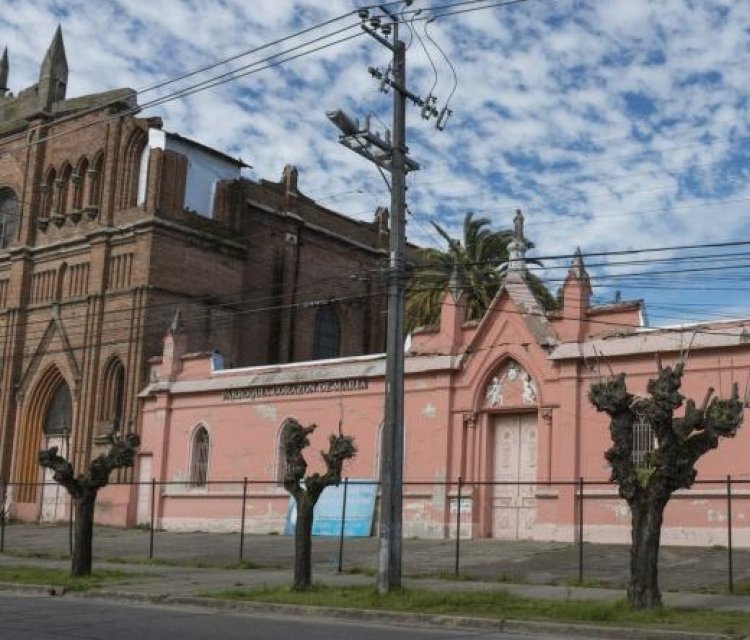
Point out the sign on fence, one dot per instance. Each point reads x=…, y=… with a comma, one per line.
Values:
x=360, y=509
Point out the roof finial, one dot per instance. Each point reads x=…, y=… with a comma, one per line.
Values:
x=455, y=283
x=518, y=226
x=517, y=247
x=175, y=326
x=4, y=68
x=577, y=267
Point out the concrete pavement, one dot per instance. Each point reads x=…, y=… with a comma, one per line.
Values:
x=536, y=570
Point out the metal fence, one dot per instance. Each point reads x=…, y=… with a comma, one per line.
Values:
x=722, y=500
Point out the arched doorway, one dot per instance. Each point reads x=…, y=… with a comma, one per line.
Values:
x=58, y=419
x=47, y=421
x=511, y=399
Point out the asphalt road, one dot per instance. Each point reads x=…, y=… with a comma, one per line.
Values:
x=45, y=618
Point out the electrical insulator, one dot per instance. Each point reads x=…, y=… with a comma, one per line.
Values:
x=445, y=113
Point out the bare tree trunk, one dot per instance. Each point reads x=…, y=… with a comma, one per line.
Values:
x=643, y=587
x=303, y=543
x=84, y=533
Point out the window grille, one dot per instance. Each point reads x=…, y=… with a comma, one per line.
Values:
x=644, y=439
x=199, y=462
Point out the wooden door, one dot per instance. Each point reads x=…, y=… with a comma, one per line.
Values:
x=515, y=462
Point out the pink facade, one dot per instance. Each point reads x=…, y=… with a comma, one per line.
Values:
x=500, y=401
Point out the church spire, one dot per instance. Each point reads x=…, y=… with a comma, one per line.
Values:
x=53, y=75
x=4, y=68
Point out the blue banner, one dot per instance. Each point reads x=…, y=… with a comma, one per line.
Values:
x=360, y=510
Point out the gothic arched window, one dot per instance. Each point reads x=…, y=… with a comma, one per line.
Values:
x=95, y=188
x=66, y=174
x=327, y=334
x=9, y=212
x=113, y=395
x=59, y=416
x=199, y=457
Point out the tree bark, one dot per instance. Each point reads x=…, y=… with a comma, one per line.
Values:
x=84, y=533
x=303, y=542
x=643, y=586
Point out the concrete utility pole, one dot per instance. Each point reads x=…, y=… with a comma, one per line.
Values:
x=392, y=449
x=390, y=153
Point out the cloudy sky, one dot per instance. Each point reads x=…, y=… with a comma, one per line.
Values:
x=614, y=124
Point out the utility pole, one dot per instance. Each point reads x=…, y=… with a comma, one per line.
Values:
x=390, y=153
x=392, y=458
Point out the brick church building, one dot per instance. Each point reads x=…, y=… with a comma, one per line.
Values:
x=109, y=224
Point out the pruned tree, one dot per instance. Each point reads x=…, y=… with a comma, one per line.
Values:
x=306, y=490
x=648, y=478
x=84, y=488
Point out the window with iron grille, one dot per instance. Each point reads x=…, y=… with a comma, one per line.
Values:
x=644, y=439
x=199, y=458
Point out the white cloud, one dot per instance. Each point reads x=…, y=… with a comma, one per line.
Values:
x=605, y=120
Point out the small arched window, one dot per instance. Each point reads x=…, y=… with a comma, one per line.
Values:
x=48, y=193
x=9, y=212
x=134, y=153
x=66, y=174
x=280, y=457
x=95, y=188
x=327, y=334
x=80, y=183
x=199, y=457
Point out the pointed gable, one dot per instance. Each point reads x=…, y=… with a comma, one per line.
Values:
x=516, y=289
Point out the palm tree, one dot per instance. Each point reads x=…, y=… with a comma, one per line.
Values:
x=478, y=261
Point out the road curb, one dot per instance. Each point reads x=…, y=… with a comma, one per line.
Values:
x=35, y=589
x=398, y=618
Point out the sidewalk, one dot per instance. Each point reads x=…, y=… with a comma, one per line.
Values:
x=490, y=563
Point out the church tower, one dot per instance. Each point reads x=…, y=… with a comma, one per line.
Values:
x=53, y=75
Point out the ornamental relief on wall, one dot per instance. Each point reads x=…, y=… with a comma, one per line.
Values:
x=510, y=386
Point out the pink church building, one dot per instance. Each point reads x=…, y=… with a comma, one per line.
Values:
x=501, y=403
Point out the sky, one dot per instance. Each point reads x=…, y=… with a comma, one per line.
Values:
x=613, y=124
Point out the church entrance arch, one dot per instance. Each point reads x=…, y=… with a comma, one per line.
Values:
x=511, y=400
x=47, y=422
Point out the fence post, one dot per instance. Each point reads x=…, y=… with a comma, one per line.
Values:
x=242, y=518
x=2, y=517
x=729, y=534
x=151, y=524
x=458, y=525
x=70, y=525
x=343, y=522
x=580, y=529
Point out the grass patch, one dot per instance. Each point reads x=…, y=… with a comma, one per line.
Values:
x=359, y=570
x=193, y=564
x=500, y=605
x=45, y=555
x=61, y=577
x=591, y=583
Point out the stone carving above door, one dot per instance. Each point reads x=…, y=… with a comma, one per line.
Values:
x=511, y=386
